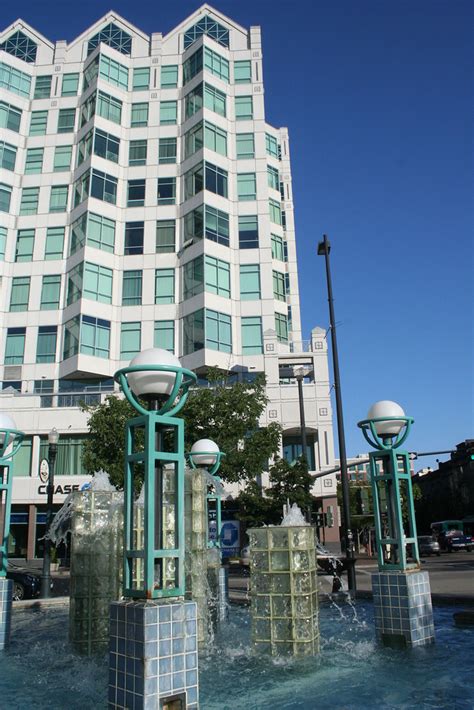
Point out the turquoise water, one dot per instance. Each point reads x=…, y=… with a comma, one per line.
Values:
x=39, y=672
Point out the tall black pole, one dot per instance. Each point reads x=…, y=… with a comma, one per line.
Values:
x=299, y=378
x=46, y=574
x=323, y=249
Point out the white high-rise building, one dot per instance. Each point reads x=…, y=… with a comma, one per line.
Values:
x=144, y=201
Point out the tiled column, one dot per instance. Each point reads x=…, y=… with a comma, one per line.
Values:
x=153, y=654
x=6, y=591
x=402, y=608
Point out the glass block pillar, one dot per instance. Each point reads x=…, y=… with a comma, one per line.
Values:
x=96, y=565
x=6, y=591
x=284, y=592
x=195, y=526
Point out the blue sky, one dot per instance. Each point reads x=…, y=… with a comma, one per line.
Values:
x=377, y=96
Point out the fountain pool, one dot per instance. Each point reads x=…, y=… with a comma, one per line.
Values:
x=39, y=671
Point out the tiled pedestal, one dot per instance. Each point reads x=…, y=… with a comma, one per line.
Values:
x=153, y=654
x=6, y=590
x=402, y=608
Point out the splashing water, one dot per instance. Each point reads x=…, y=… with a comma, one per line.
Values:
x=294, y=517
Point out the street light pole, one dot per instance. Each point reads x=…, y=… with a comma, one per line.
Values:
x=323, y=250
x=53, y=437
x=299, y=375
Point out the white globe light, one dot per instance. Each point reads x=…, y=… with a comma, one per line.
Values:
x=208, y=458
x=152, y=382
x=6, y=422
x=386, y=408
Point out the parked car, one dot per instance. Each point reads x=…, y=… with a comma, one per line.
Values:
x=428, y=546
x=455, y=540
x=26, y=583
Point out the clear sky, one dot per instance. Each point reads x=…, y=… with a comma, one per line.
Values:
x=378, y=99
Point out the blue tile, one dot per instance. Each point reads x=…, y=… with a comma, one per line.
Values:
x=151, y=632
x=178, y=681
x=192, y=695
x=164, y=631
x=190, y=626
x=191, y=678
x=164, y=648
x=165, y=683
x=180, y=645
x=164, y=612
x=164, y=666
x=177, y=629
x=177, y=663
x=151, y=686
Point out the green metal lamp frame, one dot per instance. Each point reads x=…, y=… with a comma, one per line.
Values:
x=395, y=468
x=211, y=496
x=14, y=438
x=154, y=423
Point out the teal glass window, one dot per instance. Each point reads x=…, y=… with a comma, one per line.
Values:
x=273, y=178
x=207, y=26
x=193, y=277
x=217, y=65
x=169, y=76
x=193, y=140
x=50, y=292
x=137, y=152
x=114, y=37
x=252, y=335
x=130, y=340
x=14, y=80
x=10, y=117
x=3, y=242
x=164, y=335
x=91, y=72
x=46, y=343
x=75, y=283
x=29, y=200
x=62, y=158
x=218, y=331
x=84, y=147
x=193, y=101
x=58, y=198
x=215, y=100
x=193, y=332
x=167, y=150
x=217, y=276
x=106, y=145
x=66, y=120
x=164, y=286
x=165, y=236
x=109, y=107
x=248, y=232
x=166, y=191
x=208, y=176
x=246, y=187
x=38, y=123
x=43, y=87
x=243, y=72
x=132, y=288
x=279, y=288
x=139, y=115
x=70, y=84
x=113, y=72
x=271, y=145
x=136, y=192
x=275, y=212
x=21, y=46
x=134, y=236
x=104, y=187
x=245, y=145
x=193, y=65
x=54, y=245
x=97, y=284
x=168, y=112
x=20, y=293
x=98, y=231
x=243, y=108
x=7, y=156
x=215, y=138
x=15, y=346
x=141, y=78
x=207, y=222
x=279, y=250
x=250, y=288
x=281, y=327
x=25, y=243
x=5, y=197
x=43, y=387
x=93, y=334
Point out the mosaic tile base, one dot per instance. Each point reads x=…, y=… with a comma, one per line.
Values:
x=402, y=608
x=152, y=654
x=6, y=590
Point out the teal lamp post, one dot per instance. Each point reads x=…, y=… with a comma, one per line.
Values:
x=205, y=453
x=401, y=591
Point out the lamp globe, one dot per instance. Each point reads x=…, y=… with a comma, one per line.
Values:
x=208, y=457
x=6, y=422
x=386, y=408
x=153, y=382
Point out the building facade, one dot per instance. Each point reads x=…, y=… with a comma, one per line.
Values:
x=145, y=201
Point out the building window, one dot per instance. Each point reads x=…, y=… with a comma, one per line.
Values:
x=246, y=187
x=3, y=242
x=20, y=293
x=243, y=72
x=8, y=156
x=66, y=120
x=167, y=150
x=248, y=232
x=252, y=335
x=206, y=26
x=136, y=193
x=98, y=231
x=70, y=85
x=43, y=87
x=166, y=191
x=5, y=197
x=193, y=332
x=29, y=200
x=25, y=243
x=132, y=288
x=50, y=292
x=192, y=66
x=104, y=187
x=130, y=340
x=10, y=117
x=216, y=64
x=58, y=198
x=215, y=100
x=139, y=115
x=54, y=245
x=193, y=277
x=249, y=282
x=193, y=140
x=84, y=148
x=21, y=46
x=281, y=327
x=46, y=343
x=293, y=450
x=113, y=72
x=34, y=160
x=165, y=236
x=134, y=232
x=207, y=222
x=193, y=101
x=14, y=80
x=15, y=346
x=164, y=335
x=89, y=335
x=215, y=180
x=74, y=284
x=109, y=107
x=271, y=145
x=273, y=178
x=106, y=146
x=62, y=158
x=215, y=138
x=169, y=76
x=97, y=283
x=137, y=152
x=141, y=78
x=164, y=286
x=91, y=73
x=243, y=108
x=245, y=145
x=218, y=331
x=38, y=123
x=279, y=250
x=114, y=37
x=217, y=276
x=279, y=288
x=168, y=112
x=275, y=212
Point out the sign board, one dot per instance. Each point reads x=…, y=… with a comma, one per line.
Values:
x=230, y=538
x=44, y=470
